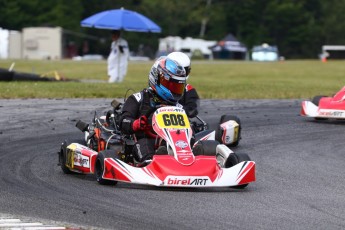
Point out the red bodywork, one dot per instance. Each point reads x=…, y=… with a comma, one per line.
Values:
x=336, y=102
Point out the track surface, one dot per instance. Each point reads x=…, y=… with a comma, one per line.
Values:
x=300, y=172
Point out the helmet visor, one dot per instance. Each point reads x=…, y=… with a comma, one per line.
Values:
x=175, y=86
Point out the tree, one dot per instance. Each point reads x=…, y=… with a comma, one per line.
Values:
x=298, y=27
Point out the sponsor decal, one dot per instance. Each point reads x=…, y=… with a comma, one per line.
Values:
x=227, y=139
x=177, y=109
x=181, y=144
x=332, y=113
x=183, y=151
x=187, y=181
x=80, y=160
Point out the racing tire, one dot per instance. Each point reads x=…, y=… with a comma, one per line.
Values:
x=316, y=101
x=219, y=132
x=205, y=148
x=99, y=166
x=234, y=159
x=63, y=155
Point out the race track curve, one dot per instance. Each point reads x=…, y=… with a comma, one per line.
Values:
x=300, y=172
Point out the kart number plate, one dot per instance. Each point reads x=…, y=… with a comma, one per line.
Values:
x=172, y=120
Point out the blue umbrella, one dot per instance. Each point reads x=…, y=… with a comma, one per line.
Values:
x=121, y=19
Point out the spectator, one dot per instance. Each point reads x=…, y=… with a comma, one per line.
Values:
x=118, y=58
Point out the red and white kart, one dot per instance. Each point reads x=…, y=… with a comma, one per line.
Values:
x=323, y=107
x=205, y=164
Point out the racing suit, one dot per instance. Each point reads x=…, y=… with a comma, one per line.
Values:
x=140, y=104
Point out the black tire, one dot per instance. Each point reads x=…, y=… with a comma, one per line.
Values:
x=231, y=161
x=316, y=101
x=82, y=126
x=219, y=132
x=242, y=157
x=205, y=148
x=6, y=75
x=234, y=159
x=99, y=166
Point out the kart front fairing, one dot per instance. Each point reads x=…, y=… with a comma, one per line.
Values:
x=328, y=107
x=166, y=171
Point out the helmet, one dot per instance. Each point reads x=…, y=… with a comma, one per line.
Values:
x=168, y=79
x=182, y=59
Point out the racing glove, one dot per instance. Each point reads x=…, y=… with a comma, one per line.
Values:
x=140, y=124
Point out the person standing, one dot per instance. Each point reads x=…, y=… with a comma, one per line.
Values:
x=118, y=58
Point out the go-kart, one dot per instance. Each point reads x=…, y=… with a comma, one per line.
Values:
x=323, y=107
x=104, y=131
x=183, y=160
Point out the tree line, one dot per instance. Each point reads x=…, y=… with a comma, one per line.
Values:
x=297, y=27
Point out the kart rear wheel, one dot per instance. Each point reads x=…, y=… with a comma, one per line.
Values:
x=99, y=166
x=316, y=101
x=219, y=132
x=234, y=159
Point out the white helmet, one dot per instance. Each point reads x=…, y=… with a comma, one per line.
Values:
x=182, y=59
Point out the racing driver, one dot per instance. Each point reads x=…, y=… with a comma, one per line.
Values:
x=167, y=81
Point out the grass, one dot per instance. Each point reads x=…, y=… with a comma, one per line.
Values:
x=212, y=79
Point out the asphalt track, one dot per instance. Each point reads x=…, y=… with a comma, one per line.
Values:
x=300, y=172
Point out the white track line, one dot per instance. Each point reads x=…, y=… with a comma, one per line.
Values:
x=17, y=224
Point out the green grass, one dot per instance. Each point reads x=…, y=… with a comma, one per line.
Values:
x=212, y=79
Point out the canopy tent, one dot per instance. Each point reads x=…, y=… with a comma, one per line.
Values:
x=229, y=48
x=333, y=51
x=265, y=52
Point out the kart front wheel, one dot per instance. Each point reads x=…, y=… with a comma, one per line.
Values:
x=99, y=166
x=234, y=159
x=316, y=101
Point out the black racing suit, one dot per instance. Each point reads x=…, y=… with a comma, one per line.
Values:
x=142, y=103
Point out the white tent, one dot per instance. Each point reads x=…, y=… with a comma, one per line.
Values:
x=333, y=52
x=187, y=45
